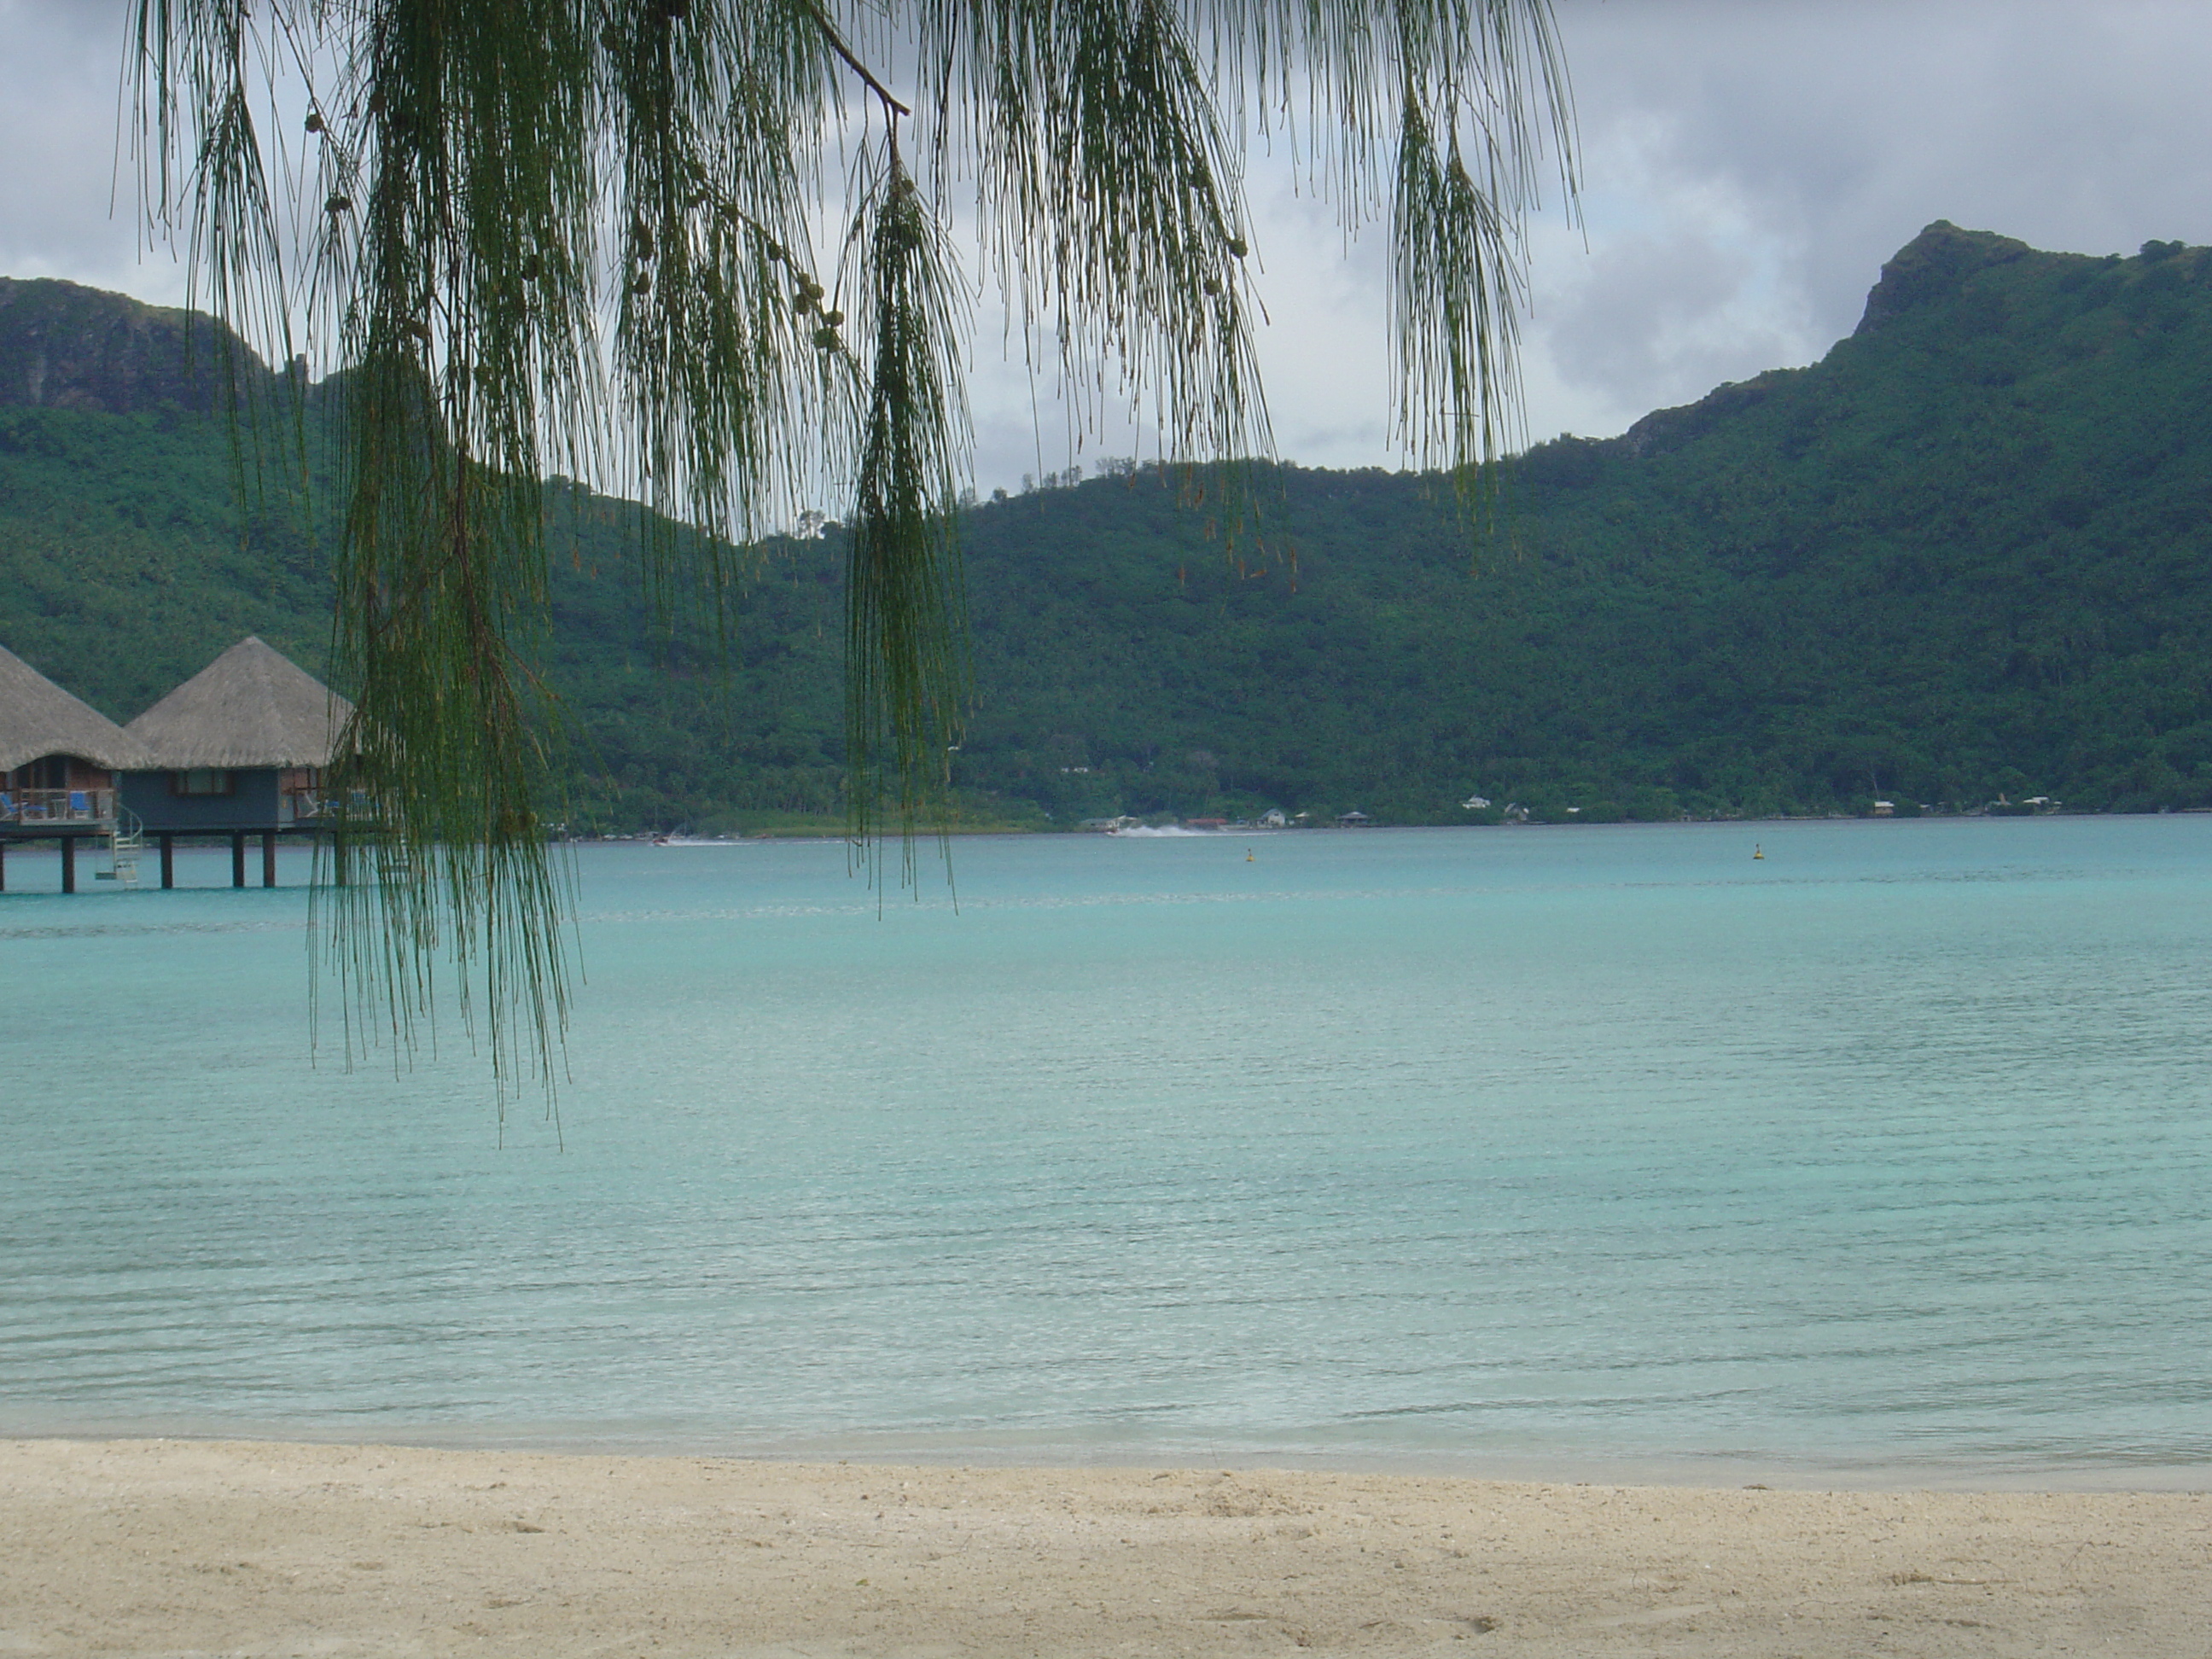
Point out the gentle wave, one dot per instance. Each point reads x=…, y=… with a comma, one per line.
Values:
x=1471, y=1149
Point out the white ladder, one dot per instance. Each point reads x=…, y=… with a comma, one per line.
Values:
x=124, y=842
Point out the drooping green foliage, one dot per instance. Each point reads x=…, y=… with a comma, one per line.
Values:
x=903, y=640
x=580, y=236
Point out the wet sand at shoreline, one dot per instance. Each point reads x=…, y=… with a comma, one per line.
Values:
x=146, y=1547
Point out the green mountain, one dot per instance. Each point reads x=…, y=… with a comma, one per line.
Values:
x=1963, y=555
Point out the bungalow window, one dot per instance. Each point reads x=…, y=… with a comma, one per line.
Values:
x=200, y=780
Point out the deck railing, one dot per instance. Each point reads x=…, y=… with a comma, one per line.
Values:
x=325, y=807
x=22, y=806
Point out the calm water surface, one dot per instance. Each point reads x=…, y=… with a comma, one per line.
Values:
x=1590, y=1151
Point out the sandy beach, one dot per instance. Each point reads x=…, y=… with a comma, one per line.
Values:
x=145, y=1547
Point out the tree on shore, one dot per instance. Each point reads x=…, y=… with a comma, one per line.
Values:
x=720, y=254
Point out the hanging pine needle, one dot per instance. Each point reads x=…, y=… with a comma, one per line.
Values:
x=576, y=237
x=905, y=626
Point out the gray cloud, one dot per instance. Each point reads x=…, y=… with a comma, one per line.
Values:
x=1788, y=147
x=60, y=81
x=1656, y=311
x=1749, y=164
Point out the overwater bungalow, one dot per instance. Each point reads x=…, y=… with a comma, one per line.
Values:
x=238, y=750
x=60, y=761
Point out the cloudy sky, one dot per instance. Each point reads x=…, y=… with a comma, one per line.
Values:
x=1747, y=167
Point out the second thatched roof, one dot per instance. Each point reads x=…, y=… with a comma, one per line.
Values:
x=249, y=707
x=38, y=718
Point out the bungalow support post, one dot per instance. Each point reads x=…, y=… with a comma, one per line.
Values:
x=69, y=863
x=268, y=858
x=238, y=858
x=168, y=861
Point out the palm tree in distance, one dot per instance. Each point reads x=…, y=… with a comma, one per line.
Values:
x=702, y=250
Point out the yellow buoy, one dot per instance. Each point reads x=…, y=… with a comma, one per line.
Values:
x=1756, y=850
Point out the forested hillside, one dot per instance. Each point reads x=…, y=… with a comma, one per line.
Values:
x=1965, y=555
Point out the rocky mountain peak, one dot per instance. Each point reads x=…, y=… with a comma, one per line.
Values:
x=1933, y=266
x=65, y=346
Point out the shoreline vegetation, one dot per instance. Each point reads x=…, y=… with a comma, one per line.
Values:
x=829, y=826
x=163, y=1546
x=834, y=827
x=1801, y=594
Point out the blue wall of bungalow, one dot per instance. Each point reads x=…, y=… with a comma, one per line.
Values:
x=255, y=801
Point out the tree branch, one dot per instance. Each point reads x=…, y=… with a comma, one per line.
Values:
x=837, y=45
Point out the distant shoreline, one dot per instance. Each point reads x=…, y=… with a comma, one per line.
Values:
x=835, y=832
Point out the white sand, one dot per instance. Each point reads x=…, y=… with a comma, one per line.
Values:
x=181, y=1548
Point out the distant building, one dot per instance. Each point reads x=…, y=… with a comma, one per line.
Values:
x=1353, y=819
x=1476, y=803
x=1883, y=809
x=237, y=749
x=1272, y=819
x=60, y=757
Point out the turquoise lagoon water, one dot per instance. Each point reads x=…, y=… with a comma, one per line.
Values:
x=1595, y=1151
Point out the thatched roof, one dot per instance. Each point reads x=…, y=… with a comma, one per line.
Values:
x=37, y=718
x=249, y=707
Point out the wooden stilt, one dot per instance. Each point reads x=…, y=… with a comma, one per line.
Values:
x=69, y=863
x=338, y=861
x=3, y=867
x=238, y=859
x=168, y=861
x=268, y=858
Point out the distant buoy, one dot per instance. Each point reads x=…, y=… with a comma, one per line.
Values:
x=1248, y=855
x=1757, y=852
